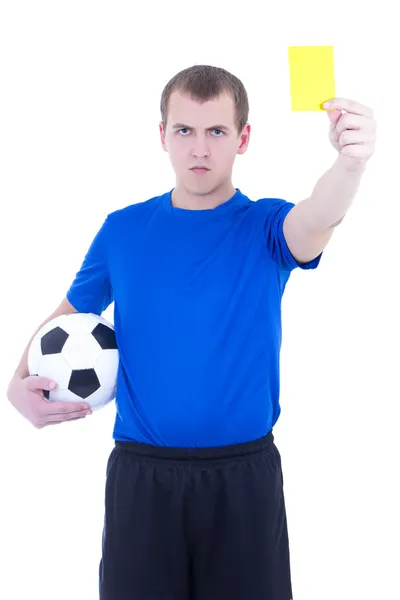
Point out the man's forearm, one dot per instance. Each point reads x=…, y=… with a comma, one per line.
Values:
x=332, y=196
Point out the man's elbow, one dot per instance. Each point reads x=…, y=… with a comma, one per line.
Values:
x=338, y=222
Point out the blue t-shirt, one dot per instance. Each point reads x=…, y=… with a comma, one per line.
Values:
x=197, y=316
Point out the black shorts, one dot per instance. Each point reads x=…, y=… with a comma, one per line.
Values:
x=195, y=524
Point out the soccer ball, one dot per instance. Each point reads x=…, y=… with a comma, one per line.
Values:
x=79, y=352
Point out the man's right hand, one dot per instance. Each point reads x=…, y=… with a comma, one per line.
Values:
x=26, y=395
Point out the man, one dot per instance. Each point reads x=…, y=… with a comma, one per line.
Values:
x=194, y=502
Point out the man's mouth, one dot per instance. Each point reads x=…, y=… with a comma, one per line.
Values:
x=199, y=169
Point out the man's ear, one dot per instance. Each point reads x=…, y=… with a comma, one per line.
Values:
x=162, y=136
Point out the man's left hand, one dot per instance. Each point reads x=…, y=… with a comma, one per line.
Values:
x=353, y=132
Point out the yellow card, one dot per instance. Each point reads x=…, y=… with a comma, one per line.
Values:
x=312, y=76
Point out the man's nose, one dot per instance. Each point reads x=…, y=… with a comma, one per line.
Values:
x=200, y=149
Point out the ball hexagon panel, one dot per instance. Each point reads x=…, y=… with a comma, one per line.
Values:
x=81, y=351
x=34, y=356
x=82, y=322
x=106, y=367
x=55, y=367
x=102, y=396
x=62, y=396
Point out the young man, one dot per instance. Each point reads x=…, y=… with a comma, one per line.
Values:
x=194, y=502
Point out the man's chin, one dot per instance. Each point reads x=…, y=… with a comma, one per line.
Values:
x=202, y=188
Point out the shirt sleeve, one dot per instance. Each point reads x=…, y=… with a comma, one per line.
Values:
x=91, y=290
x=275, y=211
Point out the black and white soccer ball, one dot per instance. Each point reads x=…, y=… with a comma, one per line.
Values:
x=79, y=352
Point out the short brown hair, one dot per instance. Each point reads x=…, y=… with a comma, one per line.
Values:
x=205, y=82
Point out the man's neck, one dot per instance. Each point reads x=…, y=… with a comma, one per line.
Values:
x=182, y=198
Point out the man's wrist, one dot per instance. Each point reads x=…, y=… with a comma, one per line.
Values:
x=348, y=164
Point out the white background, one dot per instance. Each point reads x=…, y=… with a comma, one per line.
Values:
x=80, y=90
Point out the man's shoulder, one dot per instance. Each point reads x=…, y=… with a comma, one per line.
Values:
x=266, y=208
x=135, y=209
x=270, y=203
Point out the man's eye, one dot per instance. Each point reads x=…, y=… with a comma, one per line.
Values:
x=214, y=130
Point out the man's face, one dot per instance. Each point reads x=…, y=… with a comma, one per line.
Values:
x=202, y=135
